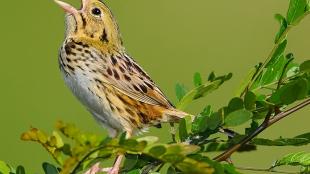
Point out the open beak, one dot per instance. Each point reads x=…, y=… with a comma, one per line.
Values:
x=67, y=7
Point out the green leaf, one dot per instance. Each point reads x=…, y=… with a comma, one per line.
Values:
x=199, y=124
x=254, y=126
x=49, y=168
x=59, y=142
x=171, y=170
x=201, y=91
x=20, y=170
x=291, y=92
x=214, y=121
x=281, y=142
x=211, y=77
x=296, y=10
x=136, y=171
x=305, y=135
x=215, y=147
x=230, y=169
x=305, y=66
x=185, y=128
x=66, y=149
x=197, y=79
x=249, y=100
x=4, y=168
x=235, y=104
x=158, y=150
x=180, y=91
x=283, y=26
x=130, y=162
x=149, y=139
x=173, y=158
x=186, y=166
x=273, y=70
x=238, y=117
x=245, y=82
x=294, y=159
x=278, y=53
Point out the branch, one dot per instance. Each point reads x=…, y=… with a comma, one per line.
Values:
x=265, y=170
x=267, y=123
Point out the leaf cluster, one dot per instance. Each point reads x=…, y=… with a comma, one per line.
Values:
x=272, y=90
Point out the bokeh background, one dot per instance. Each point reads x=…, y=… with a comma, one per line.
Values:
x=171, y=39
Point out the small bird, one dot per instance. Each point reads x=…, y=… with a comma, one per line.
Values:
x=114, y=88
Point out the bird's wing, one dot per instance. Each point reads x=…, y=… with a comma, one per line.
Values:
x=126, y=75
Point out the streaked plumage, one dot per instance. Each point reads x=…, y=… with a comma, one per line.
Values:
x=113, y=87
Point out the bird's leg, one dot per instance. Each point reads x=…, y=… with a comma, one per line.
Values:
x=118, y=161
x=96, y=168
x=116, y=166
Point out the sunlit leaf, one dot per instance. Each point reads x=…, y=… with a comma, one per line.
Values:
x=201, y=91
x=294, y=159
x=296, y=10
x=59, y=141
x=4, y=168
x=283, y=26
x=273, y=70
x=277, y=53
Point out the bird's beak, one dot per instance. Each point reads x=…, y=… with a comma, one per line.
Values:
x=67, y=7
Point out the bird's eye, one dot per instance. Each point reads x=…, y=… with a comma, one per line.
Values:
x=96, y=11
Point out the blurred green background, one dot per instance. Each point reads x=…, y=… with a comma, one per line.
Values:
x=171, y=39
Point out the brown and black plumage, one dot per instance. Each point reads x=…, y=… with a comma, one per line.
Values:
x=113, y=87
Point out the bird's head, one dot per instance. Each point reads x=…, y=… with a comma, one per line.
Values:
x=94, y=22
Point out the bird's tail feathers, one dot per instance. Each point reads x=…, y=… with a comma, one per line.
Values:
x=175, y=115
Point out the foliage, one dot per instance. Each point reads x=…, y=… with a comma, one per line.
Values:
x=272, y=90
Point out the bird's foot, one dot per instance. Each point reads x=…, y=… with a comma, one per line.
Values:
x=94, y=169
x=111, y=170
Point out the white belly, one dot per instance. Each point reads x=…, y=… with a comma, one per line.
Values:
x=81, y=87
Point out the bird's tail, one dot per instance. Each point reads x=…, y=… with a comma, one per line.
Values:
x=175, y=115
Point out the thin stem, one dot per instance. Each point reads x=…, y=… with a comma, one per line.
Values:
x=276, y=46
x=265, y=170
x=288, y=112
x=267, y=123
x=283, y=72
x=173, y=132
